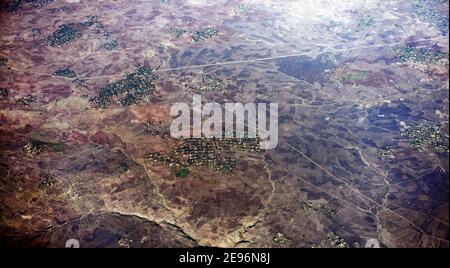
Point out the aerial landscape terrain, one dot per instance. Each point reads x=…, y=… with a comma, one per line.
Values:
x=86, y=89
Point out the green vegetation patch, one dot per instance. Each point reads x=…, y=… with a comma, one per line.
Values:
x=182, y=173
x=354, y=77
x=56, y=147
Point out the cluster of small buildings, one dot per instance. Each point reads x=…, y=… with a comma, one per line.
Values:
x=365, y=21
x=47, y=181
x=59, y=9
x=209, y=83
x=306, y=206
x=17, y=5
x=70, y=74
x=336, y=241
x=329, y=210
x=3, y=61
x=386, y=153
x=219, y=144
x=36, y=32
x=422, y=9
x=70, y=32
x=177, y=31
x=212, y=84
x=123, y=167
x=106, y=38
x=67, y=73
x=424, y=136
x=332, y=240
x=27, y=100
x=65, y=33
x=129, y=90
x=243, y=8
x=280, y=238
x=110, y=45
x=205, y=33
x=418, y=55
x=160, y=158
x=4, y=92
x=34, y=147
x=151, y=132
x=197, y=36
x=216, y=154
